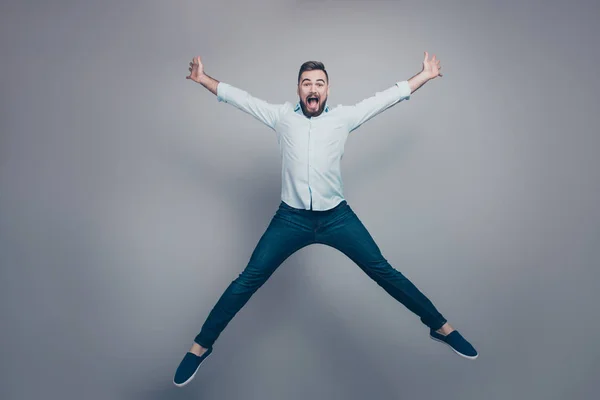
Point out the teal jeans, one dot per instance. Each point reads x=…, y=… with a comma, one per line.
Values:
x=292, y=229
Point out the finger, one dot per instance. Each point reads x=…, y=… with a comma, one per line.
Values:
x=426, y=56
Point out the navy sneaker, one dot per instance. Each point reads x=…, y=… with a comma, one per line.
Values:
x=456, y=342
x=188, y=367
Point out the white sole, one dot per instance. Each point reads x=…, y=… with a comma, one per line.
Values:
x=194, y=374
x=460, y=354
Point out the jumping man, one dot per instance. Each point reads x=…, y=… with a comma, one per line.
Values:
x=311, y=138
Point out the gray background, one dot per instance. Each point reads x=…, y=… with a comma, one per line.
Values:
x=130, y=198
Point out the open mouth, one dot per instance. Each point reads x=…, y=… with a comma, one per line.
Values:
x=312, y=101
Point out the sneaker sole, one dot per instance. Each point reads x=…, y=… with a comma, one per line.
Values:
x=194, y=374
x=460, y=354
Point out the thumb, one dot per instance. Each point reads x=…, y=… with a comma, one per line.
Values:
x=426, y=56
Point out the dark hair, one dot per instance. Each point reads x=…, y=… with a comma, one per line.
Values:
x=311, y=66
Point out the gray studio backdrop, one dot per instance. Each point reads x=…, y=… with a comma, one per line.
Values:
x=130, y=198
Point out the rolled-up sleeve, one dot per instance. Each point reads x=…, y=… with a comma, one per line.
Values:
x=265, y=112
x=365, y=110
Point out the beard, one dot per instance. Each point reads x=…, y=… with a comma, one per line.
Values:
x=311, y=113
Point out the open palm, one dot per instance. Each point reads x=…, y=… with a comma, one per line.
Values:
x=431, y=67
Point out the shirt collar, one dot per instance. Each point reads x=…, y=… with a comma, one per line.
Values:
x=298, y=108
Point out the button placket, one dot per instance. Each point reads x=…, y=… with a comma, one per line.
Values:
x=308, y=163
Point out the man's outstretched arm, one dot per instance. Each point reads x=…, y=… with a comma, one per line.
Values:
x=381, y=101
x=261, y=110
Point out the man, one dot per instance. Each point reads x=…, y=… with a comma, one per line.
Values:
x=311, y=140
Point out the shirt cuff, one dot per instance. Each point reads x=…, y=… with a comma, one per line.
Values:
x=222, y=89
x=404, y=90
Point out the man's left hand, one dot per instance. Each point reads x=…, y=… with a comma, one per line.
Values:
x=431, y=67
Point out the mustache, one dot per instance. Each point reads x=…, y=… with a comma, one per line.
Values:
x=316, y=96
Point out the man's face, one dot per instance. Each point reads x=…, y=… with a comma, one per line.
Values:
x=313, y=90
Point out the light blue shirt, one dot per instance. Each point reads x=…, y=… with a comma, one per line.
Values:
x=312, y=148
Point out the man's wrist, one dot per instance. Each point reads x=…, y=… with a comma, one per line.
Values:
x=426, y=75
x=418, y=80
x=203, y=79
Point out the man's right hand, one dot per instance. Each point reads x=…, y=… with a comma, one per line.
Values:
x=197, y=75
x=196, y=70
